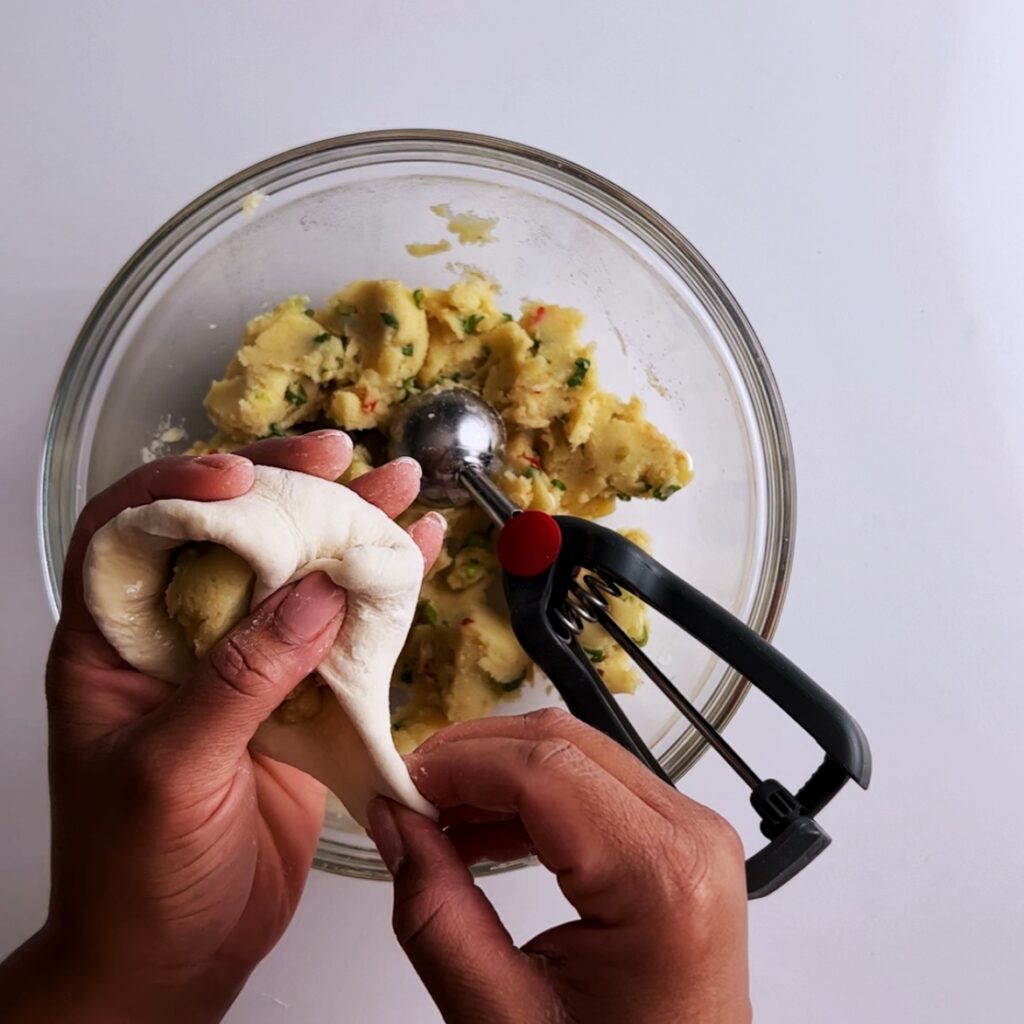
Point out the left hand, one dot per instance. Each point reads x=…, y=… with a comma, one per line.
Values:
x=178, y=854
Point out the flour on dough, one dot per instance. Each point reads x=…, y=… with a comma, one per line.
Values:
x=287, y=526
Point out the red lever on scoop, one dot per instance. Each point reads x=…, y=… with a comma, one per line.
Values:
x=529, y=543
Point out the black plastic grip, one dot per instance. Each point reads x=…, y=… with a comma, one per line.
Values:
x=834, y=729
x=785, y=856
x=795, y=839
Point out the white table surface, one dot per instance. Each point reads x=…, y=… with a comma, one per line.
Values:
x=855, y=172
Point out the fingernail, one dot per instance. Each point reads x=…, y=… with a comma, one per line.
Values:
x=385, y=833
x=406, y=460
x=313, y=604
x=436, y=517
x=328, y=433
x=220, y=460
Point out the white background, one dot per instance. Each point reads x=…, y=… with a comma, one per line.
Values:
x=854, y=172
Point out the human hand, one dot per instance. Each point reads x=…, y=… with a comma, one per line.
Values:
x=657, y=879
x=179, y=855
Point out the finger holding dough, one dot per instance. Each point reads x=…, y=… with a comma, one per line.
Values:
x=322, y=453
x=392, y=488
x=215, y=714
x=428, y=532
x=211, y=587
x=285, y=527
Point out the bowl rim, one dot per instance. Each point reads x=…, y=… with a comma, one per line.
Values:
x=178, y=233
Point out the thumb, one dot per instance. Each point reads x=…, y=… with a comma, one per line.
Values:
x=449, y=929
x=215, y=714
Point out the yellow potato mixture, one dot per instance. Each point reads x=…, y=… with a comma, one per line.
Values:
x=572, y=447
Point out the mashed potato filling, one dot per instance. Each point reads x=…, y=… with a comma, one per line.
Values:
x=572, y=447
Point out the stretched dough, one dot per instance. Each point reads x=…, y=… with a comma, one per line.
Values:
x=287, y=526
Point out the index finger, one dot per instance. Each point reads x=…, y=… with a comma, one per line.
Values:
x=554, y=723
x=322, y=453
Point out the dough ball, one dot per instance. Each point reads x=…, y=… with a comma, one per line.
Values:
x=284, y=527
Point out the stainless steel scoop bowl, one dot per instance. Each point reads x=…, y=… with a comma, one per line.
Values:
x=459, y=441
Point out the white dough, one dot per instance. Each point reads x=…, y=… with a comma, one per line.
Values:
x=287, y=526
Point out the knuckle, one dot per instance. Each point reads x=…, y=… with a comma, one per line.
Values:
x=550, y=722
x=722, y=838
x=242, y=667
x=418, y=913
x=227, y=659
x=712, y=865
x=552, y=754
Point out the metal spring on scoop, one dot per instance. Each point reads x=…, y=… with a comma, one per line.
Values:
x=569, y=618
x=586, y=600
x=600, y=585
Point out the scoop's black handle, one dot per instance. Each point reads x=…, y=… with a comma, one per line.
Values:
x=787, y=821
x=837, y=733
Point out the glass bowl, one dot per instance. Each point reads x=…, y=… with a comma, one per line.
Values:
x=665, y=326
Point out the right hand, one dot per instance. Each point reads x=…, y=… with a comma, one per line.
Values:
x=657, y=879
